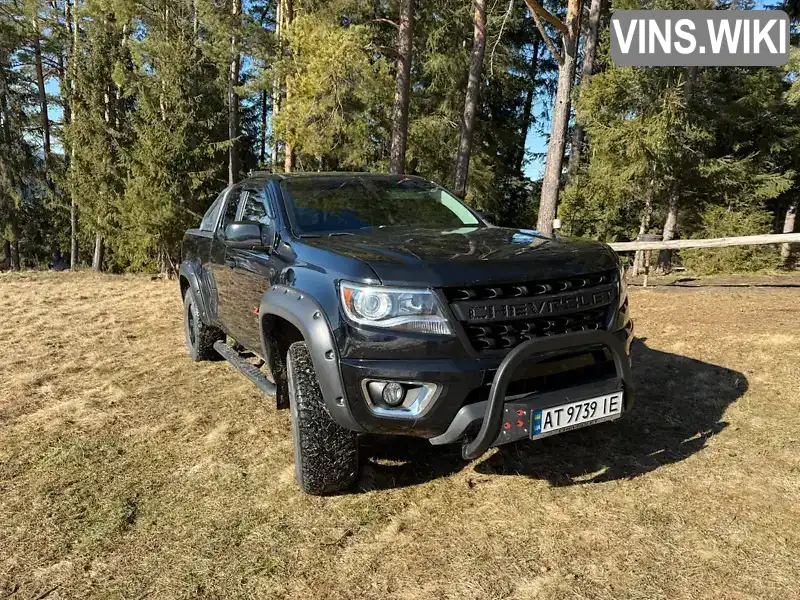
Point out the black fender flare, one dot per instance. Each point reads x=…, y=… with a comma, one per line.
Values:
x=188, y=271
x=303, y=311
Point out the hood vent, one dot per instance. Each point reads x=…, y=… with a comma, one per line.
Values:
x=530, y=289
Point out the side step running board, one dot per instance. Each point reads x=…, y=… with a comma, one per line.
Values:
x=249, y=370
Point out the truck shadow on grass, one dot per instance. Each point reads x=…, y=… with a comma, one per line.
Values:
x=680, y=402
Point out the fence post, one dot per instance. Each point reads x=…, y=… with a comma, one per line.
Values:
x=647, y=237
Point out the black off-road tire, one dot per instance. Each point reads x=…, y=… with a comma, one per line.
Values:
x=200, y=337
x=325, y=454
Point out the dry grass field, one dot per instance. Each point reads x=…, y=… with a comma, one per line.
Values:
x=127, y=471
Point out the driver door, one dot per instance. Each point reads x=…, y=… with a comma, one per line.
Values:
x=253, y=270
x=221, y=266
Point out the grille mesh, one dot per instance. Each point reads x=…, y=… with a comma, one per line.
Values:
x=505, y=335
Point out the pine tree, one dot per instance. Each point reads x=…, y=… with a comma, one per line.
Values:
x=179, y=154
x=24, y=213
x=15, y=152
x=337, y=113
x=96, y=134
x=737, y=150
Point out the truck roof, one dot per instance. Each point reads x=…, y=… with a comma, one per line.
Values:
x=321, y=174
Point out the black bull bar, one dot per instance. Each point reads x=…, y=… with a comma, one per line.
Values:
x=538, y=350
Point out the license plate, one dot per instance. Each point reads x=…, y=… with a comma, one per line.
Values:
x=557, y=419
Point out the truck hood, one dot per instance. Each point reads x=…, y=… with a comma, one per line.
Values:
x=470, y=255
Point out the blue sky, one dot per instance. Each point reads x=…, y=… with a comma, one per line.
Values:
x=536, y=142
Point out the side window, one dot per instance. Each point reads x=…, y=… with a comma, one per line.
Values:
x=230, y=209
x=255, y=207
x=210, y=218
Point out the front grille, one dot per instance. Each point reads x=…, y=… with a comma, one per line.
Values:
x=505, y=336
x=498, y=318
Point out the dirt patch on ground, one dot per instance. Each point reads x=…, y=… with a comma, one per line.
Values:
x=127, y=471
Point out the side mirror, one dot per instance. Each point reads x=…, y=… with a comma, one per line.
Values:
x=248, y=235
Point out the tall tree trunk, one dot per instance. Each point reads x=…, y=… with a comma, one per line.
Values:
x=4, y=110
x=233, y=102
x=789, y=220
x=15, y=264
x=528, y=108
x=276, y=88
x=644, y=225
x=119, y=107
x=397, y=162
x=99, y=253
x=9, y=248
x=73, y=235
x=670, y=231
x=548, y=206
x=37, y=51
x=587, y=70
x=262, y=138
x=6, y=255
x=65, y=90
x=162, y=97
x=71, y=17
x=288, y=150
x=689, y=84
x=471, y=100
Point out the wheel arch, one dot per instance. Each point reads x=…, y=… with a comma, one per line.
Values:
x=284, y=306
x=277, y=334
x=189, y=278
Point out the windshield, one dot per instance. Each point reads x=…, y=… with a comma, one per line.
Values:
x=347, y=203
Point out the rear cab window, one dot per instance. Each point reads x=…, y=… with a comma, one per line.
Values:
x=210, y=218
x=229, y=216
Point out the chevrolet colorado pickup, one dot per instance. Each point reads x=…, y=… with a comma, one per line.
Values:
x=371, y=303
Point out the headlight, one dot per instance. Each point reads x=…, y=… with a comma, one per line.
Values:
x=394, y=308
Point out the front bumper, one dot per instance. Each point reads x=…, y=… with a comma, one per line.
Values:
x=468, y=385
x=492, y=419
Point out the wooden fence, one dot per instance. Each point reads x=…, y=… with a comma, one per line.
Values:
x=745, y=240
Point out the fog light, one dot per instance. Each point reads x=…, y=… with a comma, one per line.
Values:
x=393, y=394
x=398, y=399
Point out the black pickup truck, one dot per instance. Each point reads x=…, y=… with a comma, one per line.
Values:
x=370, y=303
